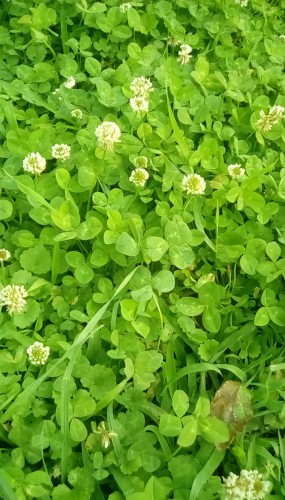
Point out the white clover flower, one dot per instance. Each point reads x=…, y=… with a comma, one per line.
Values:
x=193, y=184
x=184, y=53
x=13, y=297
x=4, y=254
x=106, y=435
x=139, y=104
x=249, y=485
x=56, y=92
x=34, y=163
x=141, y=86
x=140, y=162
x=38, y=353
x=61, y=151
x=173, y=42
x=265, y=122
x=139, y=177
x=76, y=113
x=124, y=7
x=108, y=133
x=70, y=83
x=242, y=3
x=236, y=171
x=282, y=37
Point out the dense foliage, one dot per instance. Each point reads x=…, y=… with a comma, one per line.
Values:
x=143, y=259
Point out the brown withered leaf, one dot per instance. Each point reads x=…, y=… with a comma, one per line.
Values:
x=232, y=405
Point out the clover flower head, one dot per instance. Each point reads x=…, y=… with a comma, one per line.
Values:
x=184, y=53
x=242, y=3
x=248, y=485
x=139, y=177
x=61, y=151
x=141, y=162
x=76, y=113
x=4, y=254
x=70, y=83
x=236, y=171
x=38, y=353
x=108, y=133
x=105, y=433
x=265, y=122
x=124, y=7
x=193, y=184
x=139, y=103
x=34, y=163
x=282, y=37
x=14, y=298
x=56, y=92
x=141, y=86
x=173, y=42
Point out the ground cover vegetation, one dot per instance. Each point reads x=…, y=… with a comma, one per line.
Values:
x=142, y=250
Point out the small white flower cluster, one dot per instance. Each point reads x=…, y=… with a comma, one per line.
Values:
x=141, y=87
x=140, y=162
x=236, y=171
x=105, y=433
x=108, y=133
x=265, y=122
x=139, y=104
x=249, y=485
x=242, y=3
x=173, y=42
x=61, y=151
x=38, y=353
x=34, y=163
x=4, y=254
x=282, y=37
x=193, y=184
x=184, y=53
x=70, y=83
x=76, y=113
x=124, y=7
x=14, y=298
x=139, y=176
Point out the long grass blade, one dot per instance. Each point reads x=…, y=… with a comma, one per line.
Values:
x=176, y=131
x=203, y=476
x=6, y=492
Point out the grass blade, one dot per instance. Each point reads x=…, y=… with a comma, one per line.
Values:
x=6, y=491
x=203, y=476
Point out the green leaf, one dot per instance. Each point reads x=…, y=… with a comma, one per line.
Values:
x=126, y=245
x=78, y=431
x=155, y=247
x=277, y=315
x=190, y=306
x=273, y=250
x=6, y=209
x=213, y=430
x=66, y=217
x=211, y=319
x=170, y=425
x=180, y=403
x=248, y=264
x=262, y=317
x=189, y=433
x=84, y=274
x=163, y=281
